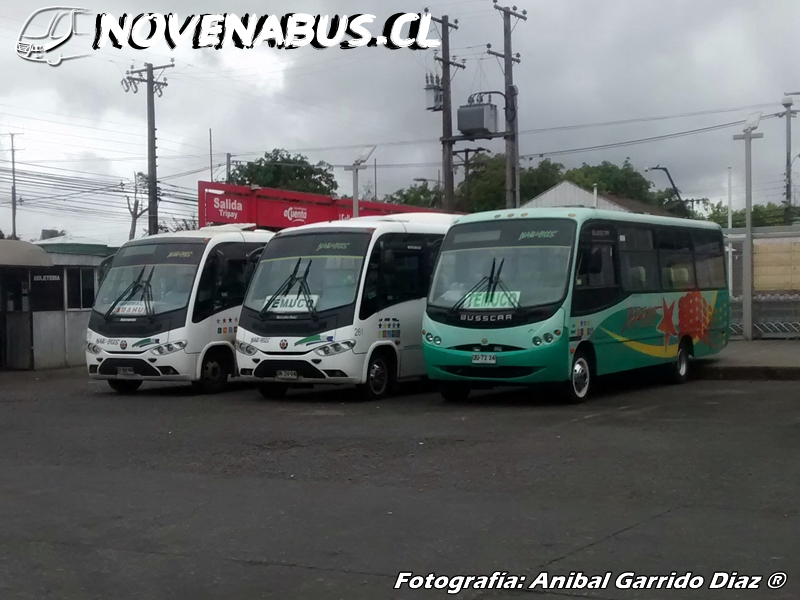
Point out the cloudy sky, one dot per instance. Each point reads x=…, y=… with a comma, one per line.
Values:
x=583, y=63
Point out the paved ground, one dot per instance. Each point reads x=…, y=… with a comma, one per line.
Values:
x=169, y=495
x=758, y=360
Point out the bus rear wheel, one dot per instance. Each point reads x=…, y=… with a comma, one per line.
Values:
x=679, y=370
x=581, y=379
x=124, y=386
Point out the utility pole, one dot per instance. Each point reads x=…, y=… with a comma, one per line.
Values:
x=210, y=157
x=730, y=228
x=447, y=109
x=466, y=152
x=747, y=279
x=671, y=182
x=154, y=86
x=228, y=167
x=512, y=127
x=358, y=165
x=789, y=114
x=13, y=186
x=134, y=210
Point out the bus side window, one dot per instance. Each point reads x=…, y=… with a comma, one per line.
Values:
x=204, y=301
x=369, y=298
x=596, y=277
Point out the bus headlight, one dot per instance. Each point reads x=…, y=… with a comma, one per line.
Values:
x=429, y=338
x=537, y=341
x=93, y=348
x=245, y=348
x=335, y=348
x=168, y=348
x=548, y=337
x=437, y=340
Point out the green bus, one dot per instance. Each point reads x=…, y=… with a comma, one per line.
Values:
x=526, y=296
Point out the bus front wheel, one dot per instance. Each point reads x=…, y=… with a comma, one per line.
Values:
x=381, y=376
x=213, y=373
x=124, y=386
x=581, y=378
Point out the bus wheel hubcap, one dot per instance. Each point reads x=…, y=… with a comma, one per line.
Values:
x=682, y=362
x=580, y=377
x=377, y=377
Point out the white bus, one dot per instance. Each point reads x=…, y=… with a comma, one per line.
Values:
x=340, y=303
x=168, y=307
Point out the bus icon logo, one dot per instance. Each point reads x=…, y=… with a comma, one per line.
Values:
x=284, y=344
x=47, y=30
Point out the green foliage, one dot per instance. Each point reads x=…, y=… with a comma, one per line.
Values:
x=281, y=170
x=763, y=215
x=416, y=195
x=2, y=235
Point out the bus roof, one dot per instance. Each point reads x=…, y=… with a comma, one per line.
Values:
x=427, y=221
x=581, y=214
x=231, y=233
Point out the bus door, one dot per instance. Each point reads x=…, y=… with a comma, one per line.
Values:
x=596, y=290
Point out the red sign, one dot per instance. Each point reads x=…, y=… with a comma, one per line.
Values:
x=220, y=203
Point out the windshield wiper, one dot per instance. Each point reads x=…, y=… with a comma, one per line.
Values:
x=147, y=294
x=484, y=280
x=493, y=287
x=282, y=289
x=127, y=293
x=303, y=281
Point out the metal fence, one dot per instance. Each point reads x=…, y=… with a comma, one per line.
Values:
x=776, y=281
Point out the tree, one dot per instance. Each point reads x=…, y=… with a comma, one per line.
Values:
x=415, y=195
x=762, y=215
x=624, y=181
x=2, y=235
x=177, y=225
x=139, y=183
x=279, y=169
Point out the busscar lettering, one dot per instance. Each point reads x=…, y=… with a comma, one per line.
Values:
x=485, y=318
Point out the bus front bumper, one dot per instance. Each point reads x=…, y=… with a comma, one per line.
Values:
x=537, y=365
x=143, y=366
x=333, y=370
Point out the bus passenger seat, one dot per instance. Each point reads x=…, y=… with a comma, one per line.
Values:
x=638, y=277
x=680, y=277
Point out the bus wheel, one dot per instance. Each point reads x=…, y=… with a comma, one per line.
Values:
x=679, y=370
x=273, y=390
x=124, y=386
x=454, y=392
x=381, y=376
x=213, y=373
x=580, y=378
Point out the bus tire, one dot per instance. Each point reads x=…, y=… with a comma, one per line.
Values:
x=273, y=391
x=454, y=392
x=381, y=375
x=679, y=370
x=124, y=386
x=581, y=378
x=214, y=372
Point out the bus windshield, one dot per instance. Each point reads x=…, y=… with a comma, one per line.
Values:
x=149, y=279
x=308, y=272
x=500, y=265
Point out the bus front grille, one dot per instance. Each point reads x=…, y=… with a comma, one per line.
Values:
x=270, y=368
x=140, y=367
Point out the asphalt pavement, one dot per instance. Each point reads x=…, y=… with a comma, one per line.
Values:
x=165, y=494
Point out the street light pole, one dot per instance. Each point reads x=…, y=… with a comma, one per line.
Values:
x=747, y=279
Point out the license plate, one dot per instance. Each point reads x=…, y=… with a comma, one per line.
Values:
x=286, y=375
x=484, y=359
x=125, y=372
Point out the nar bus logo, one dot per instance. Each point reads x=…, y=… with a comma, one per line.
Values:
x=47, y=30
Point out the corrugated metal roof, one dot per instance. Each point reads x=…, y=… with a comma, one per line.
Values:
x=15, y=253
